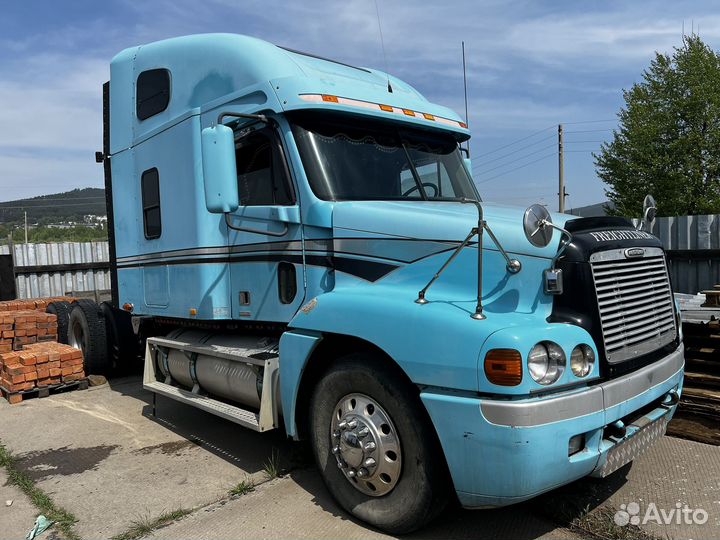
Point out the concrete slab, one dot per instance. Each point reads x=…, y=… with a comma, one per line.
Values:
x=300, y=507
x=18, y=518
x=101, y=456
x=672, y=472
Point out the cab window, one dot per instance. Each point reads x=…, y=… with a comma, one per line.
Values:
x=262, y=177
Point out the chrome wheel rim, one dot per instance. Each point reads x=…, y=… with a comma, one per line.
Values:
x=76, y=337
x=366, y=445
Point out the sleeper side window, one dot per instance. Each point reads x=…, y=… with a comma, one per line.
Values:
x=153, y=92
x=150, y=187
x=262, y=179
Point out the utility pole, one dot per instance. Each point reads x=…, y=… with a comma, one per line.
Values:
x=26, y=227
x=561, y=171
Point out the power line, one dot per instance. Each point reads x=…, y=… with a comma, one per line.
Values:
x=578, y=142
x=515, y=142
x=516, y=160
x=589, y=130
x=513, y=152
x=589, y=122
x=554, y=154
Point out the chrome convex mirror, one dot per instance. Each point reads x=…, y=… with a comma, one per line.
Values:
x=538, y=227
x=534, y=224
x=649, y=209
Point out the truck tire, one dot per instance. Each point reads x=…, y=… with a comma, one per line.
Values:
x=86, y=331
x=122, y=344
x=385, y=468
x=62, y=311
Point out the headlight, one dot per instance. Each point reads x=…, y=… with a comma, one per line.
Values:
x=582, y=360
x=546, y=362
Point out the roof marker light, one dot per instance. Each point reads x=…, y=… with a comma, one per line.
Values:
x=325, y=98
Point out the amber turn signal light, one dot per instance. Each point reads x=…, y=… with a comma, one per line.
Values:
x=504, y=367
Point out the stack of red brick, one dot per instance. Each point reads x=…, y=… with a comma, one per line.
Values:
x=37, y=304
x=39, y=365
x=20, y=328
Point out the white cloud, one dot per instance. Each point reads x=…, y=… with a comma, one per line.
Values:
x=530, y=64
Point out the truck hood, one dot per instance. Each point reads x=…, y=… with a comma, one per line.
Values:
x=440, y=221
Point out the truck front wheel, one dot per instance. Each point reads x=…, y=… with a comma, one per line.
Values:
x=375, y=447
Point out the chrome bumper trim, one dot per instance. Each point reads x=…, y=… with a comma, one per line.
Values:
x=536, y=412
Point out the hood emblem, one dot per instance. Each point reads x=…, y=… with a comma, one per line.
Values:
x=633, y=253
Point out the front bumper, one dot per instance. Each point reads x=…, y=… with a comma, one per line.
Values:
x=505, y=451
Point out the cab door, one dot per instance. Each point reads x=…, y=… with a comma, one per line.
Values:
x=264, y=233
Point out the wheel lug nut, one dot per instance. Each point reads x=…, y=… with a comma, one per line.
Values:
x=336, y=433
x=343, y=424
x=370, y=446
x=336, y=450
x=364, y=432
x=369, y=462
x=351, y=473
x=341, y=464
x=362, y=473
x=352, y=424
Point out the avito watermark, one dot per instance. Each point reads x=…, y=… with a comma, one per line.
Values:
x=682, y=514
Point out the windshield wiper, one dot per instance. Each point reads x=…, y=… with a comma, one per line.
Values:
x=413, y=170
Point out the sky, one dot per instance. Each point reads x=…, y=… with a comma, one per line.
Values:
x=530, y=66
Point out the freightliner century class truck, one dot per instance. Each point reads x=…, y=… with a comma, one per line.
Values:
x=298, y=244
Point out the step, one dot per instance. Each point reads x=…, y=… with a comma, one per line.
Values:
x=248, y=419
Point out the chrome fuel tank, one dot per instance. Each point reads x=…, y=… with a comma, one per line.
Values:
x=229, y=379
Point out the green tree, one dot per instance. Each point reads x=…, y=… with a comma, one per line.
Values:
x=668, y=141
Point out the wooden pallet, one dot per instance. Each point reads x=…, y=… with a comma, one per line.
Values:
x=698, y=416
x=43, y=391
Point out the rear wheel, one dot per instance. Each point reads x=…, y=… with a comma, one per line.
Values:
x=86, y=331
x=375, y=447
x=62, y=311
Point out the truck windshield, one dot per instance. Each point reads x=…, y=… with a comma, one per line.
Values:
x=364, y=160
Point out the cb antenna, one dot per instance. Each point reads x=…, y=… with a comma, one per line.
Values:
x=382, y=44
x=467, y=120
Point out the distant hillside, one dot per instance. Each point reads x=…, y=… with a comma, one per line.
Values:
x=59, y=207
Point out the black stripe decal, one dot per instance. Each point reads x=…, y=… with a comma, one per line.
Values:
x=367, y=270
x=363, y=246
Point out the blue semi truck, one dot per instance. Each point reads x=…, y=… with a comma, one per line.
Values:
x=298, y=244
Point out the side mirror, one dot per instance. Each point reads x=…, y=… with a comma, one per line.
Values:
x=649, y=209
x=534, y=219
x=466, y=159
x=219, y=169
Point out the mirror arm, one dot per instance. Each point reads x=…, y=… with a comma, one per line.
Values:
x=258, y=117
x=478, y=314
x=421, y=295
x=563, y=245
x=513, y=265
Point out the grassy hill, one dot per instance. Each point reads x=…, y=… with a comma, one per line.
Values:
x=55, y=208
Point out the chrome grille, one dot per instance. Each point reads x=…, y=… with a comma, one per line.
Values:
x=635, y=301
